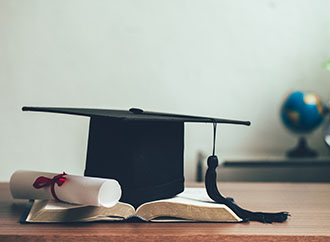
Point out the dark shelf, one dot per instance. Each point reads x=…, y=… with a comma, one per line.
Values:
x=275, y=170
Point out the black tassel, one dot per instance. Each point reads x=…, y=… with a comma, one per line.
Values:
x=213, y=192
x=246, y=215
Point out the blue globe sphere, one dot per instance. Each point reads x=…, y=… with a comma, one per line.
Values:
x=302, y=112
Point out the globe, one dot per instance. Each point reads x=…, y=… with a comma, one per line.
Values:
x=302, y=112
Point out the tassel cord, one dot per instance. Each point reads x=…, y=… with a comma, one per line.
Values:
x=213, y=192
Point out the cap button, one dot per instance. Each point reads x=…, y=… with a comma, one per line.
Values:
x=136, y=110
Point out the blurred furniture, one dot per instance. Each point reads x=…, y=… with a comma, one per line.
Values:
x=276, y=170
x=308, y=203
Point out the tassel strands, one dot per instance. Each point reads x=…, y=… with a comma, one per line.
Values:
x=213, y=192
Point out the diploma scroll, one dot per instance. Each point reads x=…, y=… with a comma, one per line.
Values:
x=76, y=189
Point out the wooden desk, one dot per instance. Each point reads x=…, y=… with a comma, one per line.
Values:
x=308, y=203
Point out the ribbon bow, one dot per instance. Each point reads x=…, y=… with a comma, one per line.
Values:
x=43, y=181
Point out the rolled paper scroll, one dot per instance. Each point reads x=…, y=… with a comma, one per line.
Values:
x=74, y=189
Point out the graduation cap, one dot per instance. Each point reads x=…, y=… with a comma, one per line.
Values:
x=144, y=151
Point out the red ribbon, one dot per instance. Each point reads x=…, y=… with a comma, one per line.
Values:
x=43, y=181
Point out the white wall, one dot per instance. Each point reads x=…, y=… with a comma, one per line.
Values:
x=221, y=58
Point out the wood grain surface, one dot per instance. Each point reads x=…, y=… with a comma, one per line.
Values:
x=309, y=205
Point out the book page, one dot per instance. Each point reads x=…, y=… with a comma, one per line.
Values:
x=193, y=196
x=193, y=204
x=48, y=211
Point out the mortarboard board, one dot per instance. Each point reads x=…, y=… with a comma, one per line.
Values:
x=144, y=151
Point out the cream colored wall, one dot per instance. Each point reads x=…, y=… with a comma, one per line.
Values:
x=232, y=59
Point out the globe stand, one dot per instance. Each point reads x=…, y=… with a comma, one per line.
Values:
x=301, y=150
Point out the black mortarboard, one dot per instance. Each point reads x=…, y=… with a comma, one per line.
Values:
x=143, y=151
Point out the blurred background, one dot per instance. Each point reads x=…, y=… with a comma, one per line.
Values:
x=227, y=59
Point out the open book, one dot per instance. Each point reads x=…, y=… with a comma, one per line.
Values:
x=191, y=205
